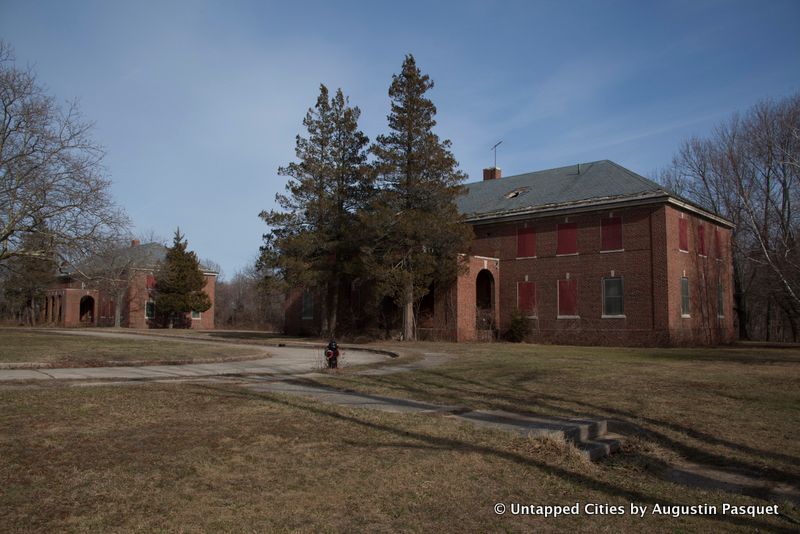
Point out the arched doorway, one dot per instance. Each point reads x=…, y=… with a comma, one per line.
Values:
x=484, y=301
x=87, y=310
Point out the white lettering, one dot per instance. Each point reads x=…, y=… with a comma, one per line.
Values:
x=638, y=510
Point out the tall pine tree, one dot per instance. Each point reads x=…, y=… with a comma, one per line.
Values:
x=180, y=284
x=314, y=239
x=419, y=229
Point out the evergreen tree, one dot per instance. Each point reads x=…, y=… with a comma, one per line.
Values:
x=314, y=241
x=419, y=229
x=180, y=284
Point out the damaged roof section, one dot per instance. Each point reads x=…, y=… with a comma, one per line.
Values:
x=575, y=187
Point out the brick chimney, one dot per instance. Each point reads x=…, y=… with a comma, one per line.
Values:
x=135, y=242
x=492, y=173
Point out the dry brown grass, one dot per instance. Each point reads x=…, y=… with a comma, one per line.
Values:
x=219, y=457
x=735, y=409
x=66, y=350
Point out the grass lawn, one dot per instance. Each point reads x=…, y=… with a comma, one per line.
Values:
x=65, y=350
x=737, y=408
x=220, y=457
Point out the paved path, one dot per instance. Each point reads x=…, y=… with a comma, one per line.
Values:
x=282, y=361
x=287, y=367
x=589, y=436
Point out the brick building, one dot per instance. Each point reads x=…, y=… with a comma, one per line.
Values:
x=72, y=301
x=590, y=254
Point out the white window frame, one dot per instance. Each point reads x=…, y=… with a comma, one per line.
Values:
x=604, y=315
x=687, y=315
x=576, y=253
x=558, y=299
x=688, y=232
x=535, y=308
x=199, y=315
x=621, y=235
x=534, y=243
x=150, y=301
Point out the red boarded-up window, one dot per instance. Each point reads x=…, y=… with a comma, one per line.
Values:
x=611, y=233
x=567, y=239
x=717, y=243
x=568, y=297
x=151, y=281
x=701, y=240
x=526, y=242
x=683, y=234
x=526, y=297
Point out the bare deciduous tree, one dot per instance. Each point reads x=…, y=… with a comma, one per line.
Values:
x=52, y=182
x=247, y=302
x=748, y=171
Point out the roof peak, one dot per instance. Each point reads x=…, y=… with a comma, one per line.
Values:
x=581, y=164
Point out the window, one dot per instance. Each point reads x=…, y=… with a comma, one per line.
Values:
x=308, y=305
x=149, y=309
x=526, y=242
x=611, y=233
x=196, y=315
x=683, y=235
x=526, y=298
x=720, y=299
x=717, y=244
x=613, y=305
x=701, y=240
x=685, y=297
x=567, y=239
x=568, y=298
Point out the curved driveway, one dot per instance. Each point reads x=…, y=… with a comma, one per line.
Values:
x=282, y=361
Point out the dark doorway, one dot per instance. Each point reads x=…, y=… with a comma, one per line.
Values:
x=484, y=301
x=87, y=310
x=484, y=290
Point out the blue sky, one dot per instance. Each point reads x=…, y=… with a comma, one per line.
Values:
x=198, y=103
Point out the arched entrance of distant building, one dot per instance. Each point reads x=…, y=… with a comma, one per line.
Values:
x=87, y=311
x=484, y=302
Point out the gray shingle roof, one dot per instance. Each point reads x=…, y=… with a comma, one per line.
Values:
x=562, y=187
x=144, y=256
x=149, y=255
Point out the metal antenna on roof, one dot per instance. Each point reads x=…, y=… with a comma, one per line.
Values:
x=495, y=152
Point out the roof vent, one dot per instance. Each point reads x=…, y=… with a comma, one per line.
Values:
x=514, y=193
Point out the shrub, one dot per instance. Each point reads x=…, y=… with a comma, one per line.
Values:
x=519, y=328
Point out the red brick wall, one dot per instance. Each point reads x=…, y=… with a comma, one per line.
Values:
x=649, y=265
x=139, y=294
x=69, y=301
x=137, y=298
x=588, y=267
x=704, y=326
x=206, y=321
x=466, y=309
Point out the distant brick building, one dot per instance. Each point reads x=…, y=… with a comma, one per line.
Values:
x=590, y=254
x=70, y=302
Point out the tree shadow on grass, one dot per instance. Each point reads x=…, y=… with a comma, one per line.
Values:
x=448, y=389
x=451, y=444
x=631, y=418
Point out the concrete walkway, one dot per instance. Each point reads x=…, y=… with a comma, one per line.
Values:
x=282, y=361
x=590, y=437
x=282, y=372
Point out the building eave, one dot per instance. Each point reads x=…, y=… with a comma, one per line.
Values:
x=593, y=204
